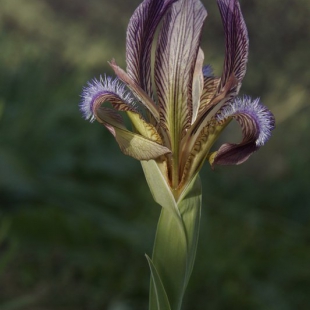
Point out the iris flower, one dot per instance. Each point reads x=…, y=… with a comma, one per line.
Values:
x=178, y=108
x=178, y=115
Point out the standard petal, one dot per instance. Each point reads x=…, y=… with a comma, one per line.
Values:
x=198, y=84
x=256, y=122
x=237, y=43
x=236, y=56
x=140, y=34
x=175, y=60
x=130, y=143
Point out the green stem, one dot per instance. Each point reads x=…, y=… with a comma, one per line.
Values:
x=176, y=239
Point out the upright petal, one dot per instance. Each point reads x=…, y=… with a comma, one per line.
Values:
x=175, y=60
x=198, y=85
x=237, y=42
x=256, y=122
x=236, y=56
x=140, y=34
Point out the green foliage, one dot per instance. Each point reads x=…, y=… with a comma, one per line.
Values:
x=76, y=215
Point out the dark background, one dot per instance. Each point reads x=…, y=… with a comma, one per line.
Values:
x=76, y=216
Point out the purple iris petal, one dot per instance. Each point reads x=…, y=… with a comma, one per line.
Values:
x=207, y=71
x=254, y=110
x=104, y=86
x=237, y=41
x=140, y=34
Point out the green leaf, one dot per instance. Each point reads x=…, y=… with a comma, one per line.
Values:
x=159, y=187
x=189, y=206
x=158, y=298
x=170, y=256
x=177, y=234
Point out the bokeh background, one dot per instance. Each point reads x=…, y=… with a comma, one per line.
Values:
x=76, y=216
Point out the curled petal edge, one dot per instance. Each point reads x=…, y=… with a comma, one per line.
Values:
x=112, y=89
x=256, y=122
x=145, y=144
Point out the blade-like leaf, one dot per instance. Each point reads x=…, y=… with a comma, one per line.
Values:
x=189, y=205
x=170, y=256
x=159, y=186
x=158, y=297
x=177, y=233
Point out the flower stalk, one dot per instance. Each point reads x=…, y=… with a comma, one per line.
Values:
x=174, y=135
x=176, y=238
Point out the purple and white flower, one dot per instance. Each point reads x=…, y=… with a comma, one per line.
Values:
x=193, y=106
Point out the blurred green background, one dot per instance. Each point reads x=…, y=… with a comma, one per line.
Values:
x=76, y=216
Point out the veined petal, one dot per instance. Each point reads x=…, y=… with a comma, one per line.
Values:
x=147, y=130
x=143, y=97
x=256, y=122
x=198, y=84
x=140, y=34
x=106, y=89
x=236, y=56
x=237, y=42
x=175, y=60
x=130, y=143
x=209, y=108
x=197, y=151
x=115, y=92
x=210, y=87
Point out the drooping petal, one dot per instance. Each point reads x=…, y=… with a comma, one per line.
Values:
x=256, y=122
x=237, y=43
x=105, y=89
x=115, y=92
x=140, y=34
x=130, y=143
x=175, y=60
